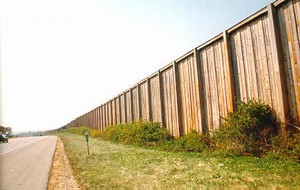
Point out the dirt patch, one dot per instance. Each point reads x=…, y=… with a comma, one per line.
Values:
x=61, y=176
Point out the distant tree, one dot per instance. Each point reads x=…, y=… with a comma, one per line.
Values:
x=5, y=129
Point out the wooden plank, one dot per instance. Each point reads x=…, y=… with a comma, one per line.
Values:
x=177, y=100
x=295, y=50
x=244, y=65
x=277, y=58
x=247, y=65
x=257, y=60
x=225, y=77
x=279, y=3
x=288, y=68
x=209, y=42
x=184, y=56
x=273, y=92
x=144, y=101
x=135, y=99
x=100, y=118
x=149, y=100
x=131, y=104
x=166, y=67
x=119, y=110
x=106, y=115
x=139, y=101
x=116, y=110
x=183, y=96
x=128, y=106
x=266, y=64
x=156, y=107
x=241, y=69
x=252, y=62
x=254, y=16
x=214, y=89
x=196, y=118
x=161, y=98
x=219, y=80
x=125, y=108
x=96, y=119
x=170, y=101
x=208, y=112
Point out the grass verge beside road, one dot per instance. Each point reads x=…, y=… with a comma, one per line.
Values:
x=117, y=166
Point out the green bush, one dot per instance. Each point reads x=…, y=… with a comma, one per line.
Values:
x=287, y=147
x=83, y=130
x=77, y=130
x=138, y=132
x=248, y=130
x=192, y=142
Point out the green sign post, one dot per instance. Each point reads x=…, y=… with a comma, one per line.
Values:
x=87, y=142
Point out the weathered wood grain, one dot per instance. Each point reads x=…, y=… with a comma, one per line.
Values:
x=258, y=58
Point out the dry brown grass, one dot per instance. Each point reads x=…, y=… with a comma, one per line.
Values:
x=61, y=176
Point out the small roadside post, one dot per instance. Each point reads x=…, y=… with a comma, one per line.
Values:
x=87, y=142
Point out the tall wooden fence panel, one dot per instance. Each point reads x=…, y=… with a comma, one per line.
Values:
x=214, y=78
x=169, y=103
x=123, y=108
x=128, y=106
x=189, y=95
x=135, y=103
x=155, y=99
x=144, y=100
x=258, y=58
x=118, y=111
x=252, y=62
x=289, y=18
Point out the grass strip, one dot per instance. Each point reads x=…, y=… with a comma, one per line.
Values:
x=118, y=166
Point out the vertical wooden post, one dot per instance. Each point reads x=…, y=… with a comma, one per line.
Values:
x=131, y=104
x=229, y=72
x=89, y=119
x=161, y=97
x=120, y=112
x=177, y=99
x=104, y=117
x=85, y=120
x=115, y=102
x=100, y=118
x=125, y=107
x=149, y=100
x=277, y=59
x=94, y=119
x=110, y=113
x=139, y=102
x=200, y=91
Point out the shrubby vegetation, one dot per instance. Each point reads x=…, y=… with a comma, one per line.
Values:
x=138, y=133
x=192, y=142
x=250, y=130
x=83, y=130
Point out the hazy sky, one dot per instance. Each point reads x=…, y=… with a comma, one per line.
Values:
x=62, y=58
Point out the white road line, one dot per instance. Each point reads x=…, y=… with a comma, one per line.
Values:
x=18, y=147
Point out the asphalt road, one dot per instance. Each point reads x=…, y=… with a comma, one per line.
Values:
x=25, y=163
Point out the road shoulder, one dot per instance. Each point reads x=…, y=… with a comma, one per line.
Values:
x=61, y=176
